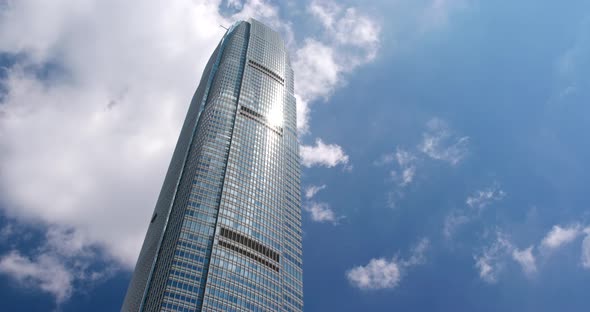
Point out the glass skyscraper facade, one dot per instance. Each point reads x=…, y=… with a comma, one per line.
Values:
x=226, y=231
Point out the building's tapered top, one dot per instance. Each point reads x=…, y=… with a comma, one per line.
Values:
x=226, y=231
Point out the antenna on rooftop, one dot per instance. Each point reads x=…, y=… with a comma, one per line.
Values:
x=223, y=27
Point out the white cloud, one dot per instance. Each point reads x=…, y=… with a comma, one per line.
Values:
x=350, y=39
x=321, y=212
x=94, y=140
x=377, y=274
x=559, y=236
x=482, y=198
x=325, y=12
x=586, y=251
x=45, y=273
x=439, y=142
x=526, y=259
x=348, y=26
x=327, y=155
x=62, y=261
x=103, y=136
x=317, y=70
x=311, y=190
x=381, y=273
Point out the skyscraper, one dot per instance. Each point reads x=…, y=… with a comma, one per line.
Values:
x=226, y=230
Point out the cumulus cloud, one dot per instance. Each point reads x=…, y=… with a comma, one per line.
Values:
x=311, y=190
x=440, y=143
x=326, y=155
x=321, y=212
x=526, y=259
x=317, y=70
x=45, y=273
x=92, y=136
x=382, y=273
x=88, y=124
x=559, y=236
x=347, y=25
x=61, y=262
x=377, y=274
x=349, y=39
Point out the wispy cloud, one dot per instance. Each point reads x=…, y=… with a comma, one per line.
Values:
x=453, y=221
x=492, y=260
x=586, y=251
x=440, y=143
x=321, y=154
x=406, y=162
x=482, y=198
x=403, y=174
x=475, y=203
x=382, y=273
x=311, y=190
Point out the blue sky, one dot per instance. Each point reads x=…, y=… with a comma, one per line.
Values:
x=443, y=145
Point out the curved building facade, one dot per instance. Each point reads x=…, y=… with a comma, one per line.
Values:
x=226, y=231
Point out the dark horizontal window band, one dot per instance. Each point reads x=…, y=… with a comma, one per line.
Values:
x=267, y=71
x=259, y=118
x=250, y=243
x=248, y=254
x=252, y=112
